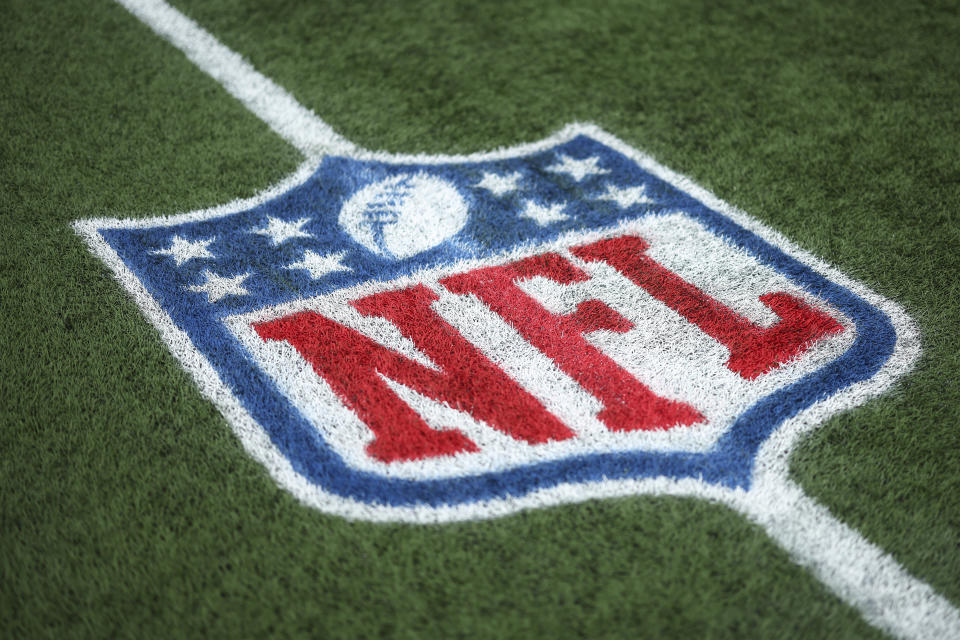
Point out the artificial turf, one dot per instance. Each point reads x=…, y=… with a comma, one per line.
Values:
x=128, y=507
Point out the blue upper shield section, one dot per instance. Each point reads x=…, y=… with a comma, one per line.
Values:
x=230, y=247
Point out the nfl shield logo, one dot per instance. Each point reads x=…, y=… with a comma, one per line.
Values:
x=440, y=338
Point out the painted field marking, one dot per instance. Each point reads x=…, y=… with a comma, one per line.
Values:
x=264, y=98
x=856, y=570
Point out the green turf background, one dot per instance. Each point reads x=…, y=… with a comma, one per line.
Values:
x=128, y=508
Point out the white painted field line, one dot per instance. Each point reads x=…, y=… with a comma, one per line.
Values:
x=856, y=570
x=271, y=103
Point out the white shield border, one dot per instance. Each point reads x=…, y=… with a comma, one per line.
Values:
x=858, y=571
x=771, y=464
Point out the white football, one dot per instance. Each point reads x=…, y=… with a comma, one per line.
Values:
x=404, y=215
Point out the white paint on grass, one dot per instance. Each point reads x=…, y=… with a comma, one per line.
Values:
x=183, y=250
x=578, y=169
x=320, y=265
x=279, y=230
x=626, y=196
x=500, y=185
x=543, y=214
x=856, y=570
x=404, y=215
x=859, y=572
x=691, y=367
x=288, y=118
x=218, y=287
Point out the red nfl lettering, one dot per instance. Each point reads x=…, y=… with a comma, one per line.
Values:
x=618, y=331
x=352, y=363
x=467, y=380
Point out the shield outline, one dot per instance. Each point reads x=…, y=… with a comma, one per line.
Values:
x=770, y=463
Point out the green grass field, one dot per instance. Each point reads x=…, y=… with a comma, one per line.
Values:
x=128, y=507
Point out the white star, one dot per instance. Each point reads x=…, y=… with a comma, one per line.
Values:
x=183, y=250
x=280, y=231
x=627, y=196
x=578, y=169
x=319, y=265
x=217, y=287
x=543, y=215
x=500, y=185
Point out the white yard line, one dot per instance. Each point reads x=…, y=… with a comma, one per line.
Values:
x=271, y=103
x=856, y=570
